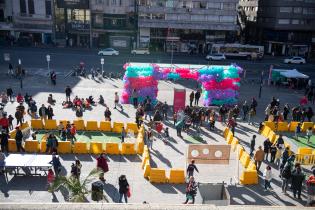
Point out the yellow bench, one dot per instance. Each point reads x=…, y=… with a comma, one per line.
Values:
x=265, y=131
x=234, y=144
x=225, y=132
x=271, y=125
x=12, y=145
x=140, y=147
x=112, y=148
x=307, y=125
x=36, y=124
x=292, y=126
x=128, y=149
x=50, y=125
x=141, y=130
x=249, y=177
x=177, y=176
x=251, y=166
x=12, y=134
x=132, y=127
x=157, y=175
x=240, y=150
x=80, y=148
x=245, y=159
x=43, y=146
x=24, y=125
x=91, y=126
x=117, y=127
x=229, y=137
x=96, y=147
x=79, y=124
x=272, y=136
x=105, y=126
x=145, y=158
x=147, y=169
x=31, y=146
x=64, y=147
x=282, y=126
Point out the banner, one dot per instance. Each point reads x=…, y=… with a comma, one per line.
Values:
x=179, y=99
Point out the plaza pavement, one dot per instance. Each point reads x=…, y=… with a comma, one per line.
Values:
x=173, y=155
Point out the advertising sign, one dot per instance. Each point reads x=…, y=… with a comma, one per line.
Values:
x=73, y=4
x=179, y=99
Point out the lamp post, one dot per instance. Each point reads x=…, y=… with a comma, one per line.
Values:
x=48, y=60
x=102, y=63
x=20, y=73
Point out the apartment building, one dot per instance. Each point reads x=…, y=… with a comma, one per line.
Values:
x=186, y=25
x=287, y=27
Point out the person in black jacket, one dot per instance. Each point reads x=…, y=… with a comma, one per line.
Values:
x=43, y=112
x=68, y=93
x=4, y=141
x=297, y=180
x=19, y=139
x=267, y=146
x=197, y=96
x=10, y=94
x=123, y=188
x=191, y=168
x=50, y=112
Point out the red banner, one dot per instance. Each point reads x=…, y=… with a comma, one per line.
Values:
x=179, y=99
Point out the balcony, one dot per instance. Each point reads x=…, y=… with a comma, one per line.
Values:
x=197, y=25
x=102, y=8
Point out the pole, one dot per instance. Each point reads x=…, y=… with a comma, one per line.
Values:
x=48, y=66
x=102, y=69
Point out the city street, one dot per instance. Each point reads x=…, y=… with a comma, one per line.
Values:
x=63, y=59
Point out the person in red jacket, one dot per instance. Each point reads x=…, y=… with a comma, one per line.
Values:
x=102, y=164
x=73, y=132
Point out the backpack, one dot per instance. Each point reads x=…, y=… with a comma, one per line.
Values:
x=286, y=172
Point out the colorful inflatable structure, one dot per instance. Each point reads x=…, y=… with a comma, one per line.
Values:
x=220, y=84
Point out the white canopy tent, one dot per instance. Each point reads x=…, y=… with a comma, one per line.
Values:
x=291, y=73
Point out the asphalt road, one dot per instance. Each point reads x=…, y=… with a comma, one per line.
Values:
x=63, y=59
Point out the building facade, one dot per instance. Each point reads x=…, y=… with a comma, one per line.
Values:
x=114, y=23
x=186, y=25
x=287, y=27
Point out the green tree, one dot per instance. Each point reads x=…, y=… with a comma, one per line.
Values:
x=77, y=189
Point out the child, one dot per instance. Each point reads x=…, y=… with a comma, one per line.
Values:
x=267, y=177
x=123, y=134
x=10, y=118
x=166, y=135
x=297, y=131
x=309, y=133
x=175, y=118
x=50, y=177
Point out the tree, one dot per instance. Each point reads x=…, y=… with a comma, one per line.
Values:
x=78, y=189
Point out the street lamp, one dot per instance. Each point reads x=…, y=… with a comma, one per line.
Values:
x=102, y=63
x=20, y=73
x=48, y=60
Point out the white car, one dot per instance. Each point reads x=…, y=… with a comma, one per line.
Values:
x=108, y=51
x=140, y=51
x=215, y=57
x=295, y=59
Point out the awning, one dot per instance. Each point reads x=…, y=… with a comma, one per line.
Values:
x=291, y=73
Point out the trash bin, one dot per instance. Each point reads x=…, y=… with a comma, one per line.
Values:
x=97, y=191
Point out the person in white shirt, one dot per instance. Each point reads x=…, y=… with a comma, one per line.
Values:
x=117, y=102
x=267, y=177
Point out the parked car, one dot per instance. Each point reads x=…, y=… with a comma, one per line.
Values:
x=140, y=51
x=215, y=57
x=295, y=59
x=108, y=51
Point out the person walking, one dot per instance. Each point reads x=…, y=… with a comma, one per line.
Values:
x=309, y=134
x=298, y=178
x=116, y=102
x=19, y=117
x=197, y=96
x=310, y=185
x=56, y=164
x=191, y=168
x=123, y=134
x=50, y=112
x=10, y=94
x=134, y=96
x=43, y=112
x=267, y=146
x=19, y=139
x=286, y=174
x=53, y=78
x=149, y=138
x=259, y=157
x=4, y=141
x=273, y=152
x=10, y=71
x=252, y=145
x=191, y=98
x=191, y=190
x=68, y=92
x=101, y=163
x=245, y=108
x=268, y=177
x=76, y=169
x=123, y=188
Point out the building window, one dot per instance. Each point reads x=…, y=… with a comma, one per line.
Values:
x=297, y=9
x=171, y=17
x=213, y=18
x=114, y=2
x=309, y=11
x=295, y=21
x=31, y=7
x=286, y=9
x=1, y=15
x=198, y=17
x=227, y=19
x=284, y=21
x=212, y=5
x=169, y=3
x=22, y=7
x=48, y=7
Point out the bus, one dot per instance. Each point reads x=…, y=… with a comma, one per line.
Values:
x=249, y=52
